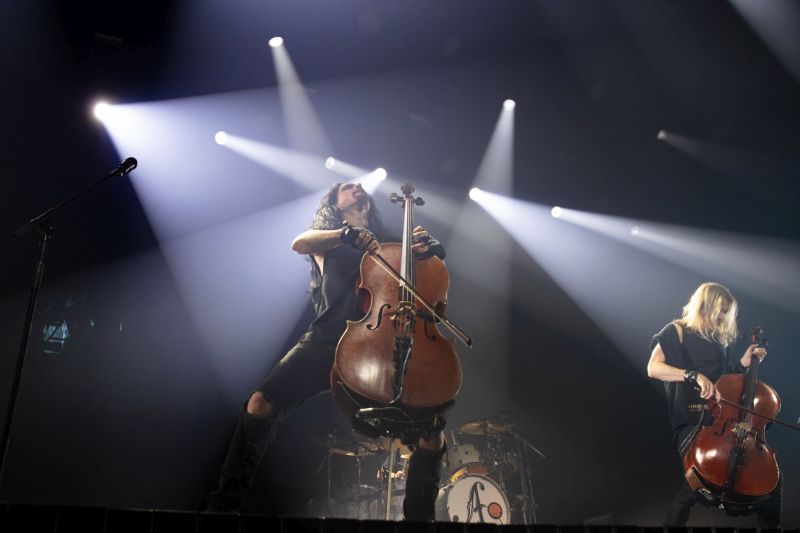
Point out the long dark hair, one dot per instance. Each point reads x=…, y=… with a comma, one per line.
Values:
x=328, y=216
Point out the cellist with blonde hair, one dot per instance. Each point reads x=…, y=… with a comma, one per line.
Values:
x=689, y=355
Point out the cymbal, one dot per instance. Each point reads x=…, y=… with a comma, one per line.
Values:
x=360, y=451
x=485, y=427
x=345, y=445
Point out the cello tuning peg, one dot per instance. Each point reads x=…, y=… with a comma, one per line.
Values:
x=419, y=201
x=394, y=198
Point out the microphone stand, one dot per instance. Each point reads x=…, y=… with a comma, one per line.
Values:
x=42, y=224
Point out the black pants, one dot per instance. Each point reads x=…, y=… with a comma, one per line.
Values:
x=768, y=511
x=303, y=373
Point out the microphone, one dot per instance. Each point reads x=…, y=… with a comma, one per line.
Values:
x=125, y=167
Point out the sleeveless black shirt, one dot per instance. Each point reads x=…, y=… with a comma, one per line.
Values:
x=695, y=353
x=334, y=297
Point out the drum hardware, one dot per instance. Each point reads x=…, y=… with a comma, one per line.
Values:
x=491, y=477
x=528, y=501
x=345, y=443
x=366, y=501
x=502, y=455
x=404, y=450
x=392, y=480
x=494, y=455
x=453, y=438
x=341, y=443
x=392, y=450
x=357, y=492
x=326, y=462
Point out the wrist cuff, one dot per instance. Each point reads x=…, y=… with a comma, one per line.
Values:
x=349, y=234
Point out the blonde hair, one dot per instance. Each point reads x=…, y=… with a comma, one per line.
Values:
x=702, y=312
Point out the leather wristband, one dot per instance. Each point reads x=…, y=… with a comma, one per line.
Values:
x=349, y=234
x=690, y=376
x=434, y=248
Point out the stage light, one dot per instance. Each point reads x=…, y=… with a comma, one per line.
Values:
x=662, y=134
x=101, y=111
x=475, y=193
x=509, y=104
x=330, y=163
x=275, y=42
x=371, y=181
x=556, y=212
x=221, y=138
x=635, y=231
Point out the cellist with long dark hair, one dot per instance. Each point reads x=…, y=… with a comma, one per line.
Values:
x=345, y=227
x=689, y=355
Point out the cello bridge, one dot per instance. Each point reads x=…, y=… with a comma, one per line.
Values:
x=405, y=310
x=743, y=429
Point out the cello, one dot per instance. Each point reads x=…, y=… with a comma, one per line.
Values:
x=729, y=462
x=394, y=374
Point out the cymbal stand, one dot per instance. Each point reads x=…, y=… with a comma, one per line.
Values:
x=498, y=462
x=453, y=438
x=528, y=500
x=327, y=461
x=357, y=496
x=491, y=451
x=392, y=451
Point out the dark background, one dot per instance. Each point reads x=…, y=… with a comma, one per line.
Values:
x=131, y=412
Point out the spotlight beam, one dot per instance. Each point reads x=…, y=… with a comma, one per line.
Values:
x=303, y=127
x=307, y=170
x=766, y=269
x=777, y=27
x=496, y=170
x=343, y=168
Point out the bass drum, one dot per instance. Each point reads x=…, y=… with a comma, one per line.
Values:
x=473, y=499
x=462, y=460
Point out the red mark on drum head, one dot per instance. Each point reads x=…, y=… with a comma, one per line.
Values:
x=495, y=511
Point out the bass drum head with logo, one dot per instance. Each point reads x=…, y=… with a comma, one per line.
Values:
x=473, y=499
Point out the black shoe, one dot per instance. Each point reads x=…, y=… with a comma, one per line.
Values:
x=250, y=439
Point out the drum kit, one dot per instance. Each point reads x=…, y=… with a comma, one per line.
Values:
x=486, y=476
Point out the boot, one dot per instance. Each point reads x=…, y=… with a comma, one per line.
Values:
x=422, y=485
x=250, y=439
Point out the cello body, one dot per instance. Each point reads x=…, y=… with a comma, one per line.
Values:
x=394, y=374
x=729, y=462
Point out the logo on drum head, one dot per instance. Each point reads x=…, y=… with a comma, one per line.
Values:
x=474, y=505
x=495, y=510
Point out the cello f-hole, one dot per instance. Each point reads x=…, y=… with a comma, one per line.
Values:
x=373, y=327
x=722, y=430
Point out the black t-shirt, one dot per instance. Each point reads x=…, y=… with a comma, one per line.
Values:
x=696, y=353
